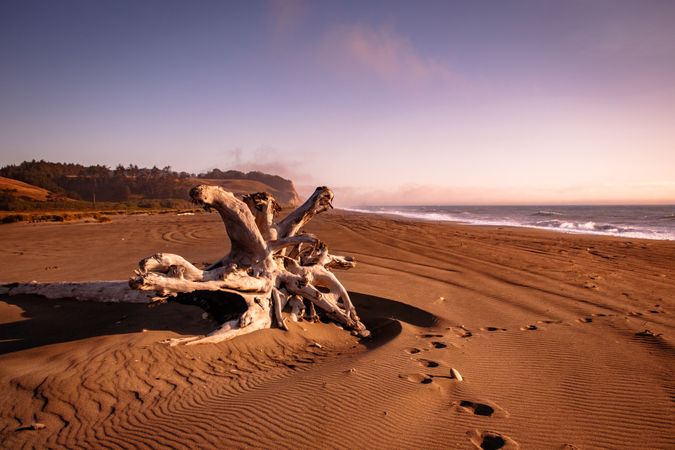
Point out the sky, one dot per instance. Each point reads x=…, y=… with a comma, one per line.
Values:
x=412, y=102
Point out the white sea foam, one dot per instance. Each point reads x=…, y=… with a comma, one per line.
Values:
x=565, y=226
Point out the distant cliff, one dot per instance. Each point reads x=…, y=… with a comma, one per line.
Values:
x=132, y=184
x=240, y=182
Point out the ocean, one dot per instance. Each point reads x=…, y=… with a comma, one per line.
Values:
x=638, y=221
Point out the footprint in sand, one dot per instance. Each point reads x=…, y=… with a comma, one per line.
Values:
x=412, y=350
x=491, y=440
x=590, y=318
x=549, y=322
x=479, y=409
x=529, y=328
x=417, y=378
x=428, y=363
x=493, y=329
x=485, y=409
x=460, y=331
x=433, y=344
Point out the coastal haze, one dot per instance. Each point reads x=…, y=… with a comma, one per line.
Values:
x=504, y=184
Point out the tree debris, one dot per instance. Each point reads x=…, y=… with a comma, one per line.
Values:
x=270, y=265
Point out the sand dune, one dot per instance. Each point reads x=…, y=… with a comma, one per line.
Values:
x=563, y=341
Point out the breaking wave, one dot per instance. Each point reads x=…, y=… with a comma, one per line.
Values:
x=511, y=218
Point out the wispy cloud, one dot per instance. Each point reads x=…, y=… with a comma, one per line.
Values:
x=381, y=52
x=648, y=33
x=286, y=15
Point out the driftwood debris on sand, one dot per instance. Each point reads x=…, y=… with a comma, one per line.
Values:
x=271, y=265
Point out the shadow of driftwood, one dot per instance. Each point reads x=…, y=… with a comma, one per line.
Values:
x=45, y=322
x=383, y=317
x=372, y=307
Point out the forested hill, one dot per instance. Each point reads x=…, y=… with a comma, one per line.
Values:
x=101, y=184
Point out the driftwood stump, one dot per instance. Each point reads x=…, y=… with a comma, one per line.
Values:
x=271, y=266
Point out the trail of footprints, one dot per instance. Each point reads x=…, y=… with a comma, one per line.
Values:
x=481, y=439
x=434, y=341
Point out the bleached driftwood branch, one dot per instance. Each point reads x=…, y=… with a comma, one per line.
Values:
x=259, y=269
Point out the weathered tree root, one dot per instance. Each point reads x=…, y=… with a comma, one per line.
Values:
x=256, y=266
x=259, y=269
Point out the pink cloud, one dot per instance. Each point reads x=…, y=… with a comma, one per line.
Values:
x=287, y=14
x=384, y=54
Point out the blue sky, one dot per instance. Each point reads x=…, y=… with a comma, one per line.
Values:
x=387, y=102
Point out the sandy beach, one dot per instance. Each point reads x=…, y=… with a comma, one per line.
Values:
x=563, y=341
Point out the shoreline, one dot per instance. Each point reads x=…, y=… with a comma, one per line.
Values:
x=498, y=224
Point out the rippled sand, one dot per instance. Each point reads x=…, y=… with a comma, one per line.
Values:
x=561, y=340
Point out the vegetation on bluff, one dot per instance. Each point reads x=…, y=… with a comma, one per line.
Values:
x=75, y=186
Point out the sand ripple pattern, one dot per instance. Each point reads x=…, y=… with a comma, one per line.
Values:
x=561, y=343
